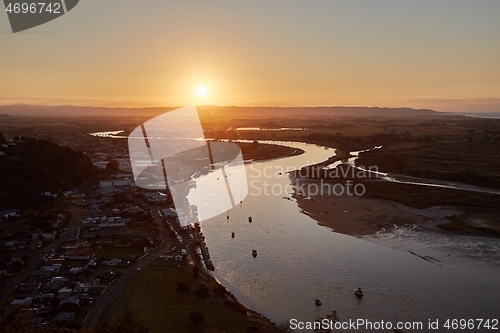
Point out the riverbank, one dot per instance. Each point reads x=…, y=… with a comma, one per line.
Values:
x=258, y=151
x=155, y=295
x=356, y=215
x=385, y=205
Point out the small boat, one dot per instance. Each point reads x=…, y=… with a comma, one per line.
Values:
x=250, y=219
x=358, y=292
x=317, y=302
x=398, y=330
x=232, y=234
x=254, y=253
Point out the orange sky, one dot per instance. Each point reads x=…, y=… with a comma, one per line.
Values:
x=425, y=54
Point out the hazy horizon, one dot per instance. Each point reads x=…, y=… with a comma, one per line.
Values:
x=432, y=55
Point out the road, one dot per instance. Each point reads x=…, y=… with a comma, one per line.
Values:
x=101, y=309
x=37, y=261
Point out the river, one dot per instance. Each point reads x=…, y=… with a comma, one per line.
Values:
x=299, y=261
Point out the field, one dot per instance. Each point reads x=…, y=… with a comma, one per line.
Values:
x=152, y=295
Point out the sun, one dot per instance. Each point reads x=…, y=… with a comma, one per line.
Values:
x=202, y=91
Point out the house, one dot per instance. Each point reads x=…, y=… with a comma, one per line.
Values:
x=132, y=209
x=40, y=275
x=11, y=245
x=52, y=268
x=157, y=197
x=28, y=289
x=63, y=316
x=22, y=301
x=72, y=300
x=122, y=182
x=64, y=293
x=100, y=213
x=169, y=212
x=54, y=261
x=82, y=253
x=112, y=262
x=46, y=296
x=58, y=278
x=49, y=236
x=29, y=286
x=89, y=220
x=76, y=270
x=9, y=213
x=81, y=288
x=54, y=285
x=106, y=183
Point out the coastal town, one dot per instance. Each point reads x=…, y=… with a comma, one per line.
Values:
x=59, y=265
x=91, y=243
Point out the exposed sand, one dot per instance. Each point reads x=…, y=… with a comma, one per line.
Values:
x=362, y=215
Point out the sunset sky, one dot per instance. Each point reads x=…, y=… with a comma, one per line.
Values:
x=443, y=54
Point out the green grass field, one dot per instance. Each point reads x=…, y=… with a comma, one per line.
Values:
x=152, y=296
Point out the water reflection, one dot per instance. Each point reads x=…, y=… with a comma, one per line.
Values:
x=299, y=261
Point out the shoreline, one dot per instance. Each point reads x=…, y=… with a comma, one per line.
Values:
x=353, y=215
x=197, y=262
x=367, y=215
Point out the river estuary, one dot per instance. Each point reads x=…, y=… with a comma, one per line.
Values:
x=299, y=261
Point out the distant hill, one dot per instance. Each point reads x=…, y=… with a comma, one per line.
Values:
x=30, y=167
x=84, y=111
x=315, y=111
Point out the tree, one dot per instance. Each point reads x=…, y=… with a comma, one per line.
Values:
x=196, y=272
x=203, y=292
x=182, y=288
x=220, y=290
x=112, y=167
x=196, y=318
x=125, y=323
x=13, y=319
